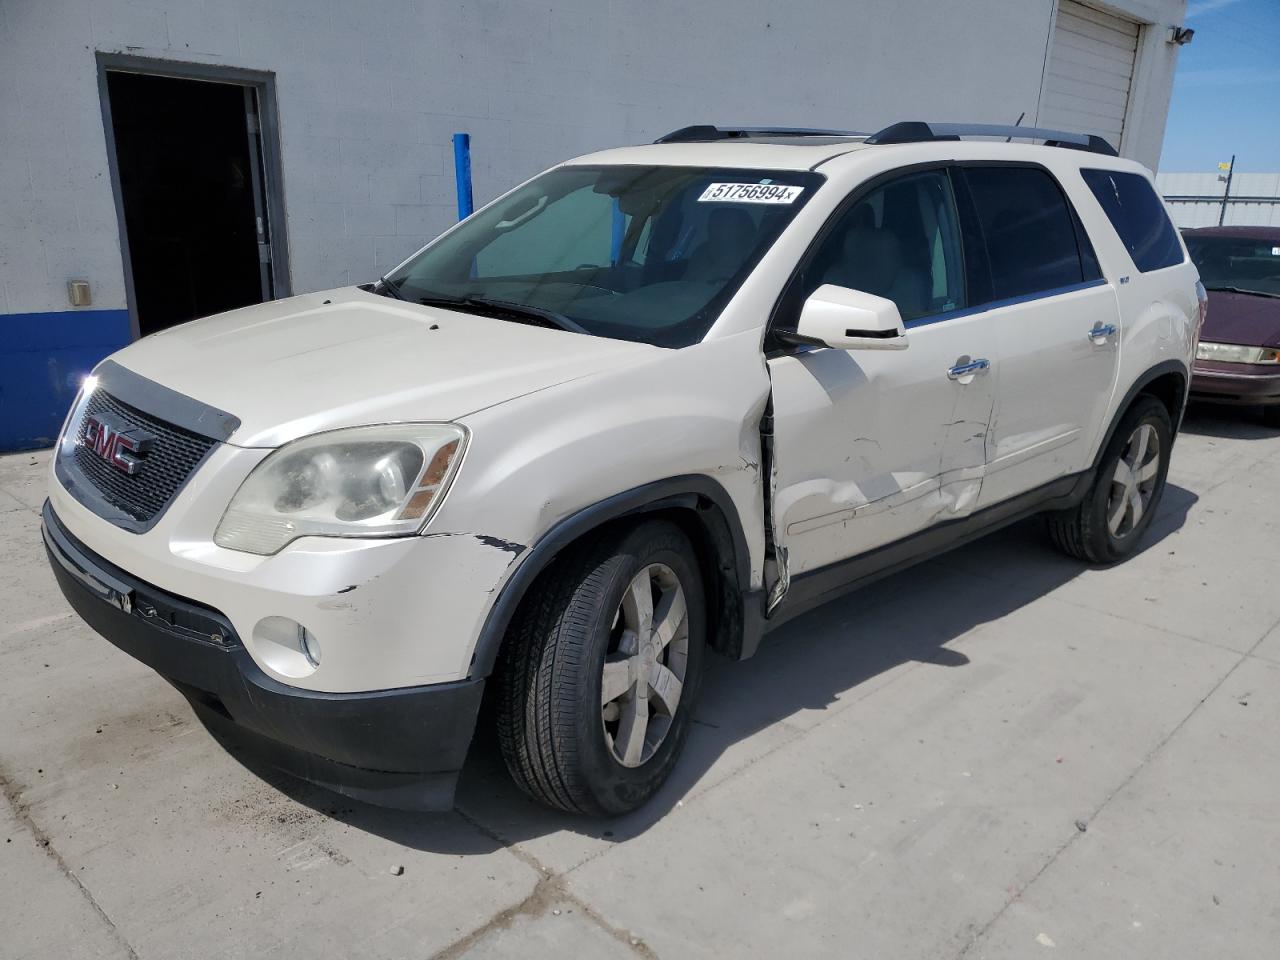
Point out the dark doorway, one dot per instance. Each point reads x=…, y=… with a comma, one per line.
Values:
x=188, y=161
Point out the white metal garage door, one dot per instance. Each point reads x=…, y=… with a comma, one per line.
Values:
x=1090, y=68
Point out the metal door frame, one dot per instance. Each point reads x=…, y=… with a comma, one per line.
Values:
x=256, y=83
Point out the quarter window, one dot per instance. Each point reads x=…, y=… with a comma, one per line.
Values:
x=901, y=242
x=1138, y=217
x=1029, y=231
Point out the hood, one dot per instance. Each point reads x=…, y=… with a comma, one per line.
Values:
x=345, y=357
x=1243, y=319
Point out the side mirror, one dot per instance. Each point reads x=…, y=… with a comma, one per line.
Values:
x=851, y=320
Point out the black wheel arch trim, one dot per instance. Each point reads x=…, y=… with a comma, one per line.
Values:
x=1161, y=369
x=740, y=608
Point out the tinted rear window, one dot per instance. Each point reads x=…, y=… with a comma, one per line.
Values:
x=1030, y=231
x=1138, y=216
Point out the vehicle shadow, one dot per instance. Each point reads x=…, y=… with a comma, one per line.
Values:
x=810, y=667
x=1226, y=422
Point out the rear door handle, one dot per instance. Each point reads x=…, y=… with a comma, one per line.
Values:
x=1101, y=331
x=969, y=368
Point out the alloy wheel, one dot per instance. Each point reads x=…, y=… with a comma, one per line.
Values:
x=645, y=666
x=1133, y=482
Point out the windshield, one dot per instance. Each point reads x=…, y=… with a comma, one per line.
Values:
x=641, y=253
x=1237, y=263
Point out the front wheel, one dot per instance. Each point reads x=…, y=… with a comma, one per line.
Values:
x=600, y=672
x=1122, y=500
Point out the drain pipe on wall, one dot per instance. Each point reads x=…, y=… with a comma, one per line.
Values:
x=462, y=173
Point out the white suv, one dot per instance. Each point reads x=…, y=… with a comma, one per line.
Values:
x=653, y=401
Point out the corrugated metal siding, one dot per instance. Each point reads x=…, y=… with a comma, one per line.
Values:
x=1086, y=85
x=1205, y=212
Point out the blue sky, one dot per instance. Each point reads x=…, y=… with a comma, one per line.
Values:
x=1226, y=94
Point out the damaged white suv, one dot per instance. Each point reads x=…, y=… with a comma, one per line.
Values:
x=654, y=401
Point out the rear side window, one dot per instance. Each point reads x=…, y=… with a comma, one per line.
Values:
x=1138, y=217
x=1031, y=240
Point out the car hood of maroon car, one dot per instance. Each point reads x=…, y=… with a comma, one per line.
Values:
x=1242, y=318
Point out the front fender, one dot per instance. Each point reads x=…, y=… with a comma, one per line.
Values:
x=546, y=467
x=691, y=492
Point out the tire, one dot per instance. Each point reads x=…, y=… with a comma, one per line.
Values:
x=1089, y=531
x=562, y=743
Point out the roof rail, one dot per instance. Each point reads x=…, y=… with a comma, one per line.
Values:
x=703, y=132
x=917, y=131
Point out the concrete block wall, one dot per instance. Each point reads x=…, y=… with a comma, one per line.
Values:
x=369, y=94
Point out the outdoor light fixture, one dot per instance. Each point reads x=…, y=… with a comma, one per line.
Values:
x=1181, y=35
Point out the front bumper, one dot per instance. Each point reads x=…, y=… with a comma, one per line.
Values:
x=400, y=748
x=1235, y=382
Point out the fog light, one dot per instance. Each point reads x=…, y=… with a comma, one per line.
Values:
x=286, y=646
x=310, y=646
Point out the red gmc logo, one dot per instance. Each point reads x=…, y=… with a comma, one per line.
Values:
x=120, y=444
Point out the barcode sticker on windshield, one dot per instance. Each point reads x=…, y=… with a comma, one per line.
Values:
x=750, y=193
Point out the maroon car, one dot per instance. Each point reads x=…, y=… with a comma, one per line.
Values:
x=1239, y=356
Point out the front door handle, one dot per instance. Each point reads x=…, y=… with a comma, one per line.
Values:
x=1101, y=331
x=968, y=368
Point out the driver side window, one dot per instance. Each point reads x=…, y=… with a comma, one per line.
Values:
x=901, y=241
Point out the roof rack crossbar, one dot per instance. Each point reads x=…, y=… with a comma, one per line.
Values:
x=917, y=131
x=703, y=132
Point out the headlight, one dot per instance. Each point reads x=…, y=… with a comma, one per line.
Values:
x=382, y=481
x=1230, y=353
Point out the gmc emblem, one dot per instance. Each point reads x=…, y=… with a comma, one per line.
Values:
x=120, y=444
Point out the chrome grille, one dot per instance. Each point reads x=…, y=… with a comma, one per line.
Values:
x=175, y=452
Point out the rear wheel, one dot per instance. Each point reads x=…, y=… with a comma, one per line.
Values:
x=1122, y=500
x=600, y=672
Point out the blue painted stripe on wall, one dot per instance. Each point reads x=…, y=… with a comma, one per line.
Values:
x=43, y=357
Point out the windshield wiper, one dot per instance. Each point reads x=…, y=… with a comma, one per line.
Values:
x=1252, y=293
x=391, y=288
x=523, y=311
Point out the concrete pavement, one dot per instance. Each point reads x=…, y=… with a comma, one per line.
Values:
x=998, y=754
